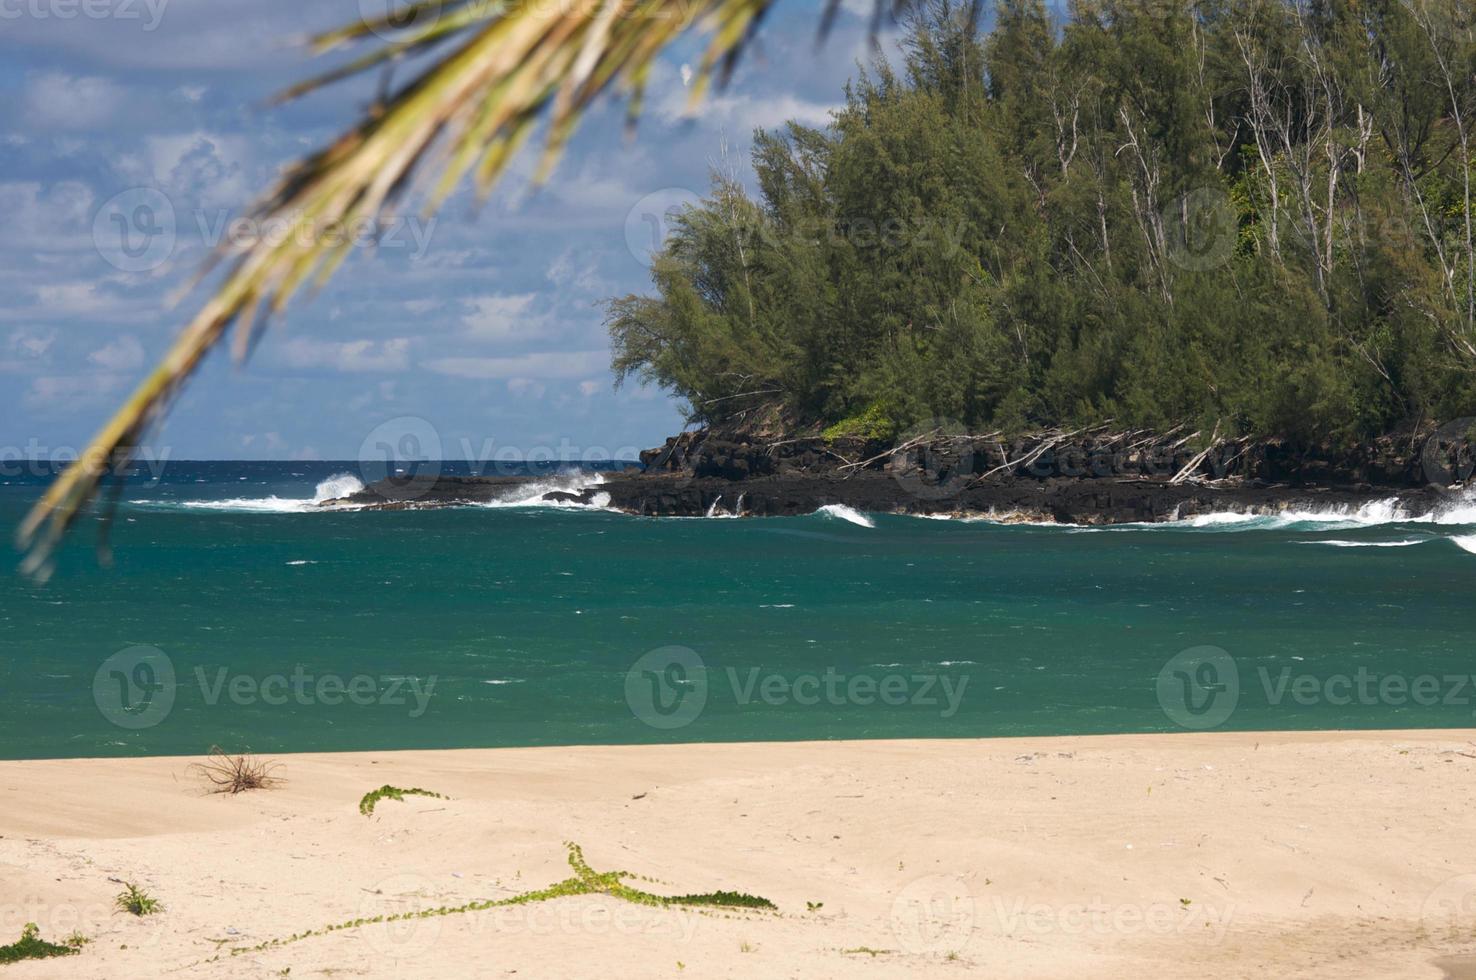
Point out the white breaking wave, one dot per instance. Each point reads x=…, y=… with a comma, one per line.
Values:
x=531, y=494
x=337, y=487
x=333, y=488
x=846, y=514
x=1460, y=511
x=345, y=484
x=1369, y=515
x=1370, y=544
x=1465, y=543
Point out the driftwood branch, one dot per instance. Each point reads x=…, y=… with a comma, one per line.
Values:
x=894, y=450
x=1034, y=454
x=1193, y=464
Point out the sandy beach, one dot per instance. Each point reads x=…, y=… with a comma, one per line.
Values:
x=1221, y=855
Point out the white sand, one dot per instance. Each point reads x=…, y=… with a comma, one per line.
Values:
x=1224, y=855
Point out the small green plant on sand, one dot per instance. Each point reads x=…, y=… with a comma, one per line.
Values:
x=586, y=881
x=31, y=946
x=867, y=950
x=136, y=901
x=387, y=792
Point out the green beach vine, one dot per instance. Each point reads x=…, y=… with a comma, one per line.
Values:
x=388, y=792
x=586, y=881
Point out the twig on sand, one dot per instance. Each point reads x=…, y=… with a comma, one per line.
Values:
x=237, y=774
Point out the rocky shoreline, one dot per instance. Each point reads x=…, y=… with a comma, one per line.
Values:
x=1076, y=478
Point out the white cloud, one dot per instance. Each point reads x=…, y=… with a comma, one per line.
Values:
x=26, y=343
x=55, y=100
x=500, y=315
x=768, y=112
x=354, y=356
x=67, y=298
x=590, y=388
x=203, y=168
x=741, y=112
x=63, y=393
x=57, y=218
x=546, y=366
x=124, y=354
x=526, y=388
x=577, y=272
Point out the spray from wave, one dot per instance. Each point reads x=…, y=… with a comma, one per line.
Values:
x=1457, y=512
x=571, y=481
x=335, y=487
x=845, y=513
x=1335, y=543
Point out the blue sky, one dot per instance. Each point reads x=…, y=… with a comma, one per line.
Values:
x=147, y=118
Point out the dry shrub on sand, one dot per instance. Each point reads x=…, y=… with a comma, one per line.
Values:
x=237, y=773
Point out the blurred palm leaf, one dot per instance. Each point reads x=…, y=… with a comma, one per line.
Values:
x=493, y=71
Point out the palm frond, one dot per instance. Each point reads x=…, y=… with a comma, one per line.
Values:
x=495, y=70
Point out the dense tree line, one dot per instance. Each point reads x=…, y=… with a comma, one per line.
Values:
x=1251, y=213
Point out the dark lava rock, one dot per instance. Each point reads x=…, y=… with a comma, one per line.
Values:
x=1089, y=480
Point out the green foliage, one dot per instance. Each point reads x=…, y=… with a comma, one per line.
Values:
x=387, y=792
x=1252, y=211
x=31, y=946
x=874, y=425
x=586, y=881
x=135, y=901
x=736, y=900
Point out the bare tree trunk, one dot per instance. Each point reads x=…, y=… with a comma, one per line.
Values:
x=1451, y=30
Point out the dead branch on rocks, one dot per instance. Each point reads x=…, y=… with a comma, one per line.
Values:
x=1193, y=464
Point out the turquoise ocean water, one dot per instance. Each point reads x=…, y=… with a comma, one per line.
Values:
x=237, y=615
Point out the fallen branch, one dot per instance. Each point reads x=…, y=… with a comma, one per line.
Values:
x=1193, y=464
x=1029, y=457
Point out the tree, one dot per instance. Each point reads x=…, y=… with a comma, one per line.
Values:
x=1161, y=214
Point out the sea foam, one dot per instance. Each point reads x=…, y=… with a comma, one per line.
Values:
x=572, y=481
x=334, y=488
x=846, y=514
